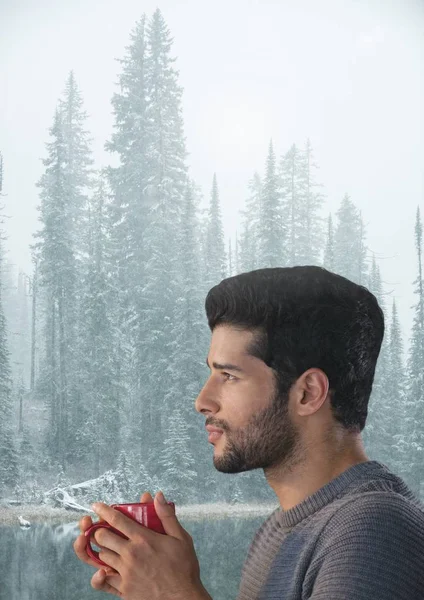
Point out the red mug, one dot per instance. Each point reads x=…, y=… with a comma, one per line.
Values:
x=142, y=512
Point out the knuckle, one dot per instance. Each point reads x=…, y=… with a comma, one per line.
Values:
x=114, y=519
x=189, y=538
x=78, y=546
x=99, y=535
x=139, y=540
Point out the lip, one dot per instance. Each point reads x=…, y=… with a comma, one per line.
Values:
x=212, y=429
x=214, y=436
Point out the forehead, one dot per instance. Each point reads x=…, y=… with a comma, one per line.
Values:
x=228, y=340
x=229, y=346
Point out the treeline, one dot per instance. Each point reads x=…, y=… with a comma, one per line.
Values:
x=102, y=351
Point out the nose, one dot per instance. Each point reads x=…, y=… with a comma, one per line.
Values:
x=205, y=402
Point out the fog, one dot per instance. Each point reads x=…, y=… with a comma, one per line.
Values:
x=348, y=75
x=103, y=345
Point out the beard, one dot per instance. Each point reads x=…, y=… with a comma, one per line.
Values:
x=268, y=441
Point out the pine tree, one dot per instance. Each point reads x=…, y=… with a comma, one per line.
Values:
x=58, y=250
x=166, y=180
x=99, y=372
x=292, y=192
x=124, y=477
x=272, y=229
x=128, y=216
x=236, y=256
x=328, y=259
x=349, y=246
x=145, y=215
x=249, y=241
x=187, y=367
x=415, y=385
x=303, y=201
x=23, y=356
x=8, y=454
x=176, y=462
x=379, y=431
x=78, y=182
x=309, y=225
x=396, y=382
x=230, y=258
x=215, y=257
x=26, y=455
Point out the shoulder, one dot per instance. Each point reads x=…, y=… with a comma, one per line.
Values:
x=377, y=506
x=372, y=546
x=375, y=518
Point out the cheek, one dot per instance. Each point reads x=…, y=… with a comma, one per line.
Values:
x=244, y=400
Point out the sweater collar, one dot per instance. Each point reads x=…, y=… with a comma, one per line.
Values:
x=327, y=493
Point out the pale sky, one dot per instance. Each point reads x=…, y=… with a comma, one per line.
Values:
x=347, y=74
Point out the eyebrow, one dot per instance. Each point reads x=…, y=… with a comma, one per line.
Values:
x=226, y=366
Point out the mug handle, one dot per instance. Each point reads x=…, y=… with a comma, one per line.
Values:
x=89, y=532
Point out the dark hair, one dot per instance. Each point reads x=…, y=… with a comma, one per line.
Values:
x=306, y=317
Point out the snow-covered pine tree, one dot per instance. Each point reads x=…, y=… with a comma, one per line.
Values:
x=23, y=329
x=328, y=258
x=362, y=266
x=293, y=193
x=215, y=255
x=143, y=482
x=128, y=216
x=177, y=464
x=249, y=240
x=349, y=246
x=15, y=303
x=54, y=252
x=166, y=180
x=27, y=458
x=230, y=258
x=78, y=183
x=99, y=371
x=63, y=201
x=415, y=372
x=401, y=422
x=34, y=323
x=147, y=196
x=8, y=453
x=125, y=478
x=236, y=256
x=272, y=229
x=187, y=370
x=378, y=435
x=310, y=200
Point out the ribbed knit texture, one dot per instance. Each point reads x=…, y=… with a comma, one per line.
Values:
x=359, y=537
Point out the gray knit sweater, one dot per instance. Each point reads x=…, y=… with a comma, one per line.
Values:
x=359, y=537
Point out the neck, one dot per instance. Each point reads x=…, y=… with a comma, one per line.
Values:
x=306, y=472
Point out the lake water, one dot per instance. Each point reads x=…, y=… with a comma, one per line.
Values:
x=39, y=563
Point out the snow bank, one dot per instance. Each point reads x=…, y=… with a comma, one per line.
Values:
x=192, y=512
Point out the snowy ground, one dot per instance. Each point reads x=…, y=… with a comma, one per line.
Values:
x=194, y=512
x=36, y=514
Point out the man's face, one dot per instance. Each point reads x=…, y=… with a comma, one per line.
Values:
x=258, y=430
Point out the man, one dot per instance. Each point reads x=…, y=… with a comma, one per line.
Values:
x=292, y=359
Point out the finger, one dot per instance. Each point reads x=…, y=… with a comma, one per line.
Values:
x=110, y=540
x=110, y=558
x=100, y=582
x=85, y=523
x=146, y=497
x=120, y=521
x=80, y=546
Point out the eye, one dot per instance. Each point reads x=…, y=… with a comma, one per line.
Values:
x=228, y=376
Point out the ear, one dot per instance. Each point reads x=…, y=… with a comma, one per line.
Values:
x=313, y=388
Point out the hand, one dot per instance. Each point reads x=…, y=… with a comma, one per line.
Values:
x=148, y=565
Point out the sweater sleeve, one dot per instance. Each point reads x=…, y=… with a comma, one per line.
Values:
x=371, y=549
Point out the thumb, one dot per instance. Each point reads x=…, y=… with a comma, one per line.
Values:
x=166, y=514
